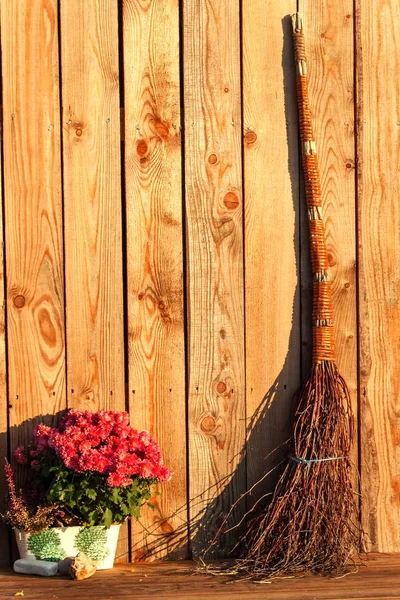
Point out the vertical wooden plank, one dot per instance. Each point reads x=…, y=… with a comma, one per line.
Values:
x=33, y=215
x=92, y=204
x=154, y=260
x=271, y=184
x=378, y=149
x=92, y=207
x=4, y=530
x=330, y=40
x=213, y=177
x=5, y=559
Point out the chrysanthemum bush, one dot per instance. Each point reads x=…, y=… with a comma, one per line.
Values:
x=94, y=466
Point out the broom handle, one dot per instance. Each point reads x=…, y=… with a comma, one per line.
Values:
x=322, y=313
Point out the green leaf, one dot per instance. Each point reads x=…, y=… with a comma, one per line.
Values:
x=116, y=496
x=108, y=517
x=91, y=494
x=135, y=511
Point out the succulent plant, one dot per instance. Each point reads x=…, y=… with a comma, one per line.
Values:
x=46, y=545
x=92, y=541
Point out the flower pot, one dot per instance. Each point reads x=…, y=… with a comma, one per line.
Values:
x=21, y=537
x=56, y=543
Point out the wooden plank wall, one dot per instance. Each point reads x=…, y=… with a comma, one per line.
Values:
x=92, y=208
x=32, y=216
x=156, y=257
x=378, y=124
x=4, y=533
x=214, y=210
x=271, y=233
x=154, y=260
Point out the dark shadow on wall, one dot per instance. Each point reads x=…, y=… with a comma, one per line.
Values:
x=5, y=539
x=274, y=408
x=17, y=435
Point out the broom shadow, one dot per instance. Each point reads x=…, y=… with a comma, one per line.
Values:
x=221, y=526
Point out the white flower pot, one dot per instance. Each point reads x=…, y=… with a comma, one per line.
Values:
x=98, y=543
x=21, y=537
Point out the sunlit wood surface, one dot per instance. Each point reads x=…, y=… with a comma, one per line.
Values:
x=379, y=578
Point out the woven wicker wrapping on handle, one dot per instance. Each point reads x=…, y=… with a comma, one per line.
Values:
x=322, y=315
x=311, y=180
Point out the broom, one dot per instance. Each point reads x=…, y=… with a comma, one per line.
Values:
x=311, y=523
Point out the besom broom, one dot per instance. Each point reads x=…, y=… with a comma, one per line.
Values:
x=312, y=521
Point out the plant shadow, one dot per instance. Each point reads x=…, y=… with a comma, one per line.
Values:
x=17, y=435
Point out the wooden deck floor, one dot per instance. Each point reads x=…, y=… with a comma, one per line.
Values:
x=168, y=581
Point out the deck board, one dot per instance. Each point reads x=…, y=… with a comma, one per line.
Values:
x=379, y=579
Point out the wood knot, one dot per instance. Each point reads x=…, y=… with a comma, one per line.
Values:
x=231, y=201
x=208, y=424
x=88, y=397
x=166, y=528
x=347, y=285
x=19, y=301
x=250, y=137
x=78, y=127
x=161, y=129
x=221, y=387
x=222, y=333
x=47, y=329
x=141, y=296
x=349, y=165
x=331, y=260
x=213, y=159
x=141, y=148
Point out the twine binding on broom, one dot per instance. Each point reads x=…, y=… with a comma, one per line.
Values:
x=304, y=461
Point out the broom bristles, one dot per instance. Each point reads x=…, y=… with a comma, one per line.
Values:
x=311, y=523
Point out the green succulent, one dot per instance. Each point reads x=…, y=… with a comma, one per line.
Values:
x=46, y=545
x=92, y=541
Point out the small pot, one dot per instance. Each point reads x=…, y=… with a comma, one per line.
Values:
x=97, y=542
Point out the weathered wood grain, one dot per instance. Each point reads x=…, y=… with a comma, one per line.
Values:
x=378, y=93
x=92, y=209
x=329, y=37
x=213, y=182
x=4, y=530
x=33, y=215
x=271, y=185
x=378, y=579
x=274, y=250
x=154, y=260
x=92, y=204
